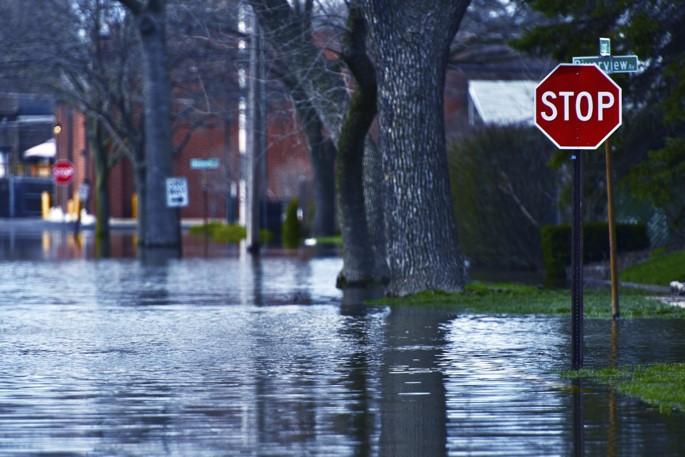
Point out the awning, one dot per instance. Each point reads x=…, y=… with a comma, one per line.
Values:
x=46, y=150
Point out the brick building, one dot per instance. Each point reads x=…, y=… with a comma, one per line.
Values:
x=287, y=166
x=26, y=151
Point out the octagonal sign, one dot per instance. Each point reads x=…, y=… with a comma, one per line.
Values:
x=578, y=106
x=63, y=172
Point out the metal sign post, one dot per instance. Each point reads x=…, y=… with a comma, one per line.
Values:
x=578, y=107
x=205, y=164
x=63, y=173
x=577, y=263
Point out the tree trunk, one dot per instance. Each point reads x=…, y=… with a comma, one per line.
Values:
x=412, y=42
x=100, y=163
x=373, y=203
x=161, y=228
x=358, y=265
x=256, y=141
x=322, y=154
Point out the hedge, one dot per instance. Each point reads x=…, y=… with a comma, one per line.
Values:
x=291, y=226
x=556, y=244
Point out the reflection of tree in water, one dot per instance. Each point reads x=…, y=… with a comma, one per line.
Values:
x=358, y=372
x=122, y=245
x=279, y=282
x=135, y=282
x=153, y=288
x=398, y=392
x=257, y=279
x=413, y=401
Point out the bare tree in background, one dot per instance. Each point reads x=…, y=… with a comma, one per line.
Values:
x=87, y=54
x=321, y=82
x=81, y=53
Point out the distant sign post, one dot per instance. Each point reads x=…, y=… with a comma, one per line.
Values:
x=63, y=172
x=205, y=164
x=577, y=107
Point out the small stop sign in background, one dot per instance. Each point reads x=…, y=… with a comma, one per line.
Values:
x=63, y=172
x=577, y=106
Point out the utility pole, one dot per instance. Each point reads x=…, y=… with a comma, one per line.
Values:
x=256, y=141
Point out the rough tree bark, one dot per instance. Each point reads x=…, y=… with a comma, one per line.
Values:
x=160, y=224
x=98, y=150
x=412, y=43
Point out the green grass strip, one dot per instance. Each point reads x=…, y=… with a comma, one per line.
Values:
x=335, y=240
x=505, y=298
x=660, y=385
x=659, y=270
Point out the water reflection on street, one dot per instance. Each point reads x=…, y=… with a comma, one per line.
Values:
x=225, y=355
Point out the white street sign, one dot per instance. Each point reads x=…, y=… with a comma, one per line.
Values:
x=176, y=192
x=610, y=64
x=204, y=163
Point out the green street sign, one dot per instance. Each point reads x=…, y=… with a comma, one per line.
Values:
x=610, y=64
x=204, y=163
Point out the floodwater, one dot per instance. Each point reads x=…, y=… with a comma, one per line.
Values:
x=223, y=355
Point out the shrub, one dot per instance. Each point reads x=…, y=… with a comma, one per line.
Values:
x=265, y=236
x=556, y=244
x=230, y=233
x=291, y=226
x=218, y=231
x=503, y=191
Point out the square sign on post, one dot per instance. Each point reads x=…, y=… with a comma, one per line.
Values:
x=176, y=192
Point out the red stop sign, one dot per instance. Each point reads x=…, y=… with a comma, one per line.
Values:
x=577, y=106
x=63, y=172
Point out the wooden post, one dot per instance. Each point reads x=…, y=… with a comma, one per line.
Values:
x=615, y=311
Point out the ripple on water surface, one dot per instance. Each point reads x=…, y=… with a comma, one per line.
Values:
x=209, y=357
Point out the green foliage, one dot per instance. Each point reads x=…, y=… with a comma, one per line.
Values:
x=659, y=269
x=556, y=249
x=291, y=226
x=502, y=191
x=650, y=146
x=265, y=236
x=335, y=240
x=220, y=232
x=502, y=298
x=660, y=385
x=660, y=180
x=556, y=244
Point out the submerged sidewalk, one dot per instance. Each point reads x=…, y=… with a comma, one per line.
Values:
x=37, y=223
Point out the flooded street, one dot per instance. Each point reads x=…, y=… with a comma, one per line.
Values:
x=223, y=355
